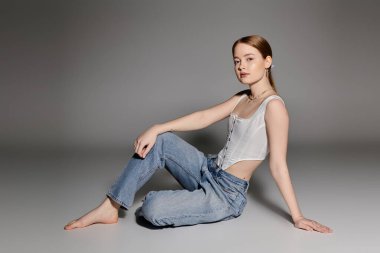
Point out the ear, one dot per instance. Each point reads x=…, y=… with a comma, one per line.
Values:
x=268, y=61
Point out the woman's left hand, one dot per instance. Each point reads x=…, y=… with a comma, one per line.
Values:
x=311, y=225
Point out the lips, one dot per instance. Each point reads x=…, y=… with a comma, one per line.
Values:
x=243, y=74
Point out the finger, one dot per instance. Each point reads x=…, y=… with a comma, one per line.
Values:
x=146, y=150
x=307, y=227
x=321, y=228
x=143, y=152
x=137, y=147
x=314, y=225
x=327, y=229
x=141, y=149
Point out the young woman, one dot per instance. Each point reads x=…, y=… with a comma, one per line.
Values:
x=215, y=185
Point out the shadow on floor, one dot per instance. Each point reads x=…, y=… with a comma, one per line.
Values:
x=256, y=193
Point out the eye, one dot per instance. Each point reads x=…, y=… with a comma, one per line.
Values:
x=249, y=59
x=236, y=62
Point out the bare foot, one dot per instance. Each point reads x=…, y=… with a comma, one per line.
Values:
x=105, y=213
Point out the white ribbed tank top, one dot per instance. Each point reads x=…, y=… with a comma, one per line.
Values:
x=247, y=137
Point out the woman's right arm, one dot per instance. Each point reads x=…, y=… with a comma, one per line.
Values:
x=193, y=121
x=200, y=119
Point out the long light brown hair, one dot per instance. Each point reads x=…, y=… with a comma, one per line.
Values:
x=264, y=48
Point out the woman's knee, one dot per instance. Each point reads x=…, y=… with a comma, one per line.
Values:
x=166, y=136
x=156, y=208
x=159, y=143
x=151, y=208
x=165, y=140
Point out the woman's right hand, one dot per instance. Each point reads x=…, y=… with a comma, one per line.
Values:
x=145, y=141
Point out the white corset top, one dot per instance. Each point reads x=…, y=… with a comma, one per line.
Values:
x=247, y=137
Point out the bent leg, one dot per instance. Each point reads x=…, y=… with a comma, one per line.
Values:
x=184, y=207
x=181, y=159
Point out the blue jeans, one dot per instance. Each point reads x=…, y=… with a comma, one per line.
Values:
x=210, y=194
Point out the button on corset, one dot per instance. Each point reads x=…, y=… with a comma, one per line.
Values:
x=228, y=140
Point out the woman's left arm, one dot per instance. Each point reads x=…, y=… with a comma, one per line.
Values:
x=277, y=126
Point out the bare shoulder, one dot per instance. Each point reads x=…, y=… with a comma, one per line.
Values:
x=239, y=94
x=233, y=101
x=276, y=110
x=223, y=109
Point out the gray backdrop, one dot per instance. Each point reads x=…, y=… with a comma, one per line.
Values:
x=95, y=74
x=79, y=76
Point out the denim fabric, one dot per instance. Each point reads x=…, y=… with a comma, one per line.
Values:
x=210, y=194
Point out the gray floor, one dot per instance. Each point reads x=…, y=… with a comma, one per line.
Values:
x=42, y=191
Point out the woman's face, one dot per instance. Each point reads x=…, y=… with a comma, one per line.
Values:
x=249, y=64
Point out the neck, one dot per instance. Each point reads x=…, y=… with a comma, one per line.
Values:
x=260, y=87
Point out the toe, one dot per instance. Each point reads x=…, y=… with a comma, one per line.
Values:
x=70, y=225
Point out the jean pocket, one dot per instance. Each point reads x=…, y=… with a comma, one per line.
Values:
x=239, y=183
x=230, y=192
x=227, y=188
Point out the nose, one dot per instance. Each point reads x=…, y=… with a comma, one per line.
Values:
x=241, y=66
